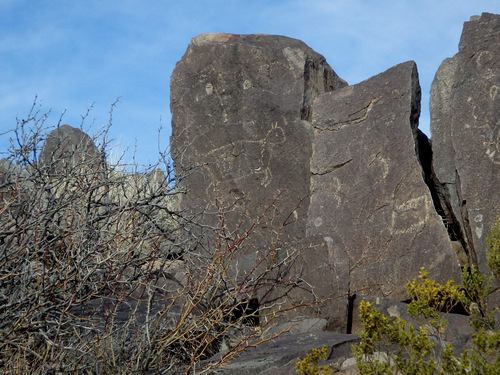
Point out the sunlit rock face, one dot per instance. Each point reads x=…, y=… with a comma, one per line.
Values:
x=465, y=123
x=67, y=147
x=368, y=198
x=240, y=106
x=371, y=200
x=240, y=123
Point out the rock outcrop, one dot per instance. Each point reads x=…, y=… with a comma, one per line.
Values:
x=258, y=114
x=240, y=109
x=67, y=147
x=371, y=203
x=280, y=355
x=262, y=125
x=465, y=110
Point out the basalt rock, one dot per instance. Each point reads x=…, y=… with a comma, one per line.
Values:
x=68, y=147
x=258, y=114
x=365, y=195
x=240, y=109
x=465, y=108
x=280, y=355
x=371, y=201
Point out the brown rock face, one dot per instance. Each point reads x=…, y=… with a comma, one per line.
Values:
x=465, y=110
x=240, y=105
x=258, y=114
x=371, y=202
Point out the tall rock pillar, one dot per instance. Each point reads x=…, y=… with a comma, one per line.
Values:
x=465, y=125
x=240, y=109
x=371, y=201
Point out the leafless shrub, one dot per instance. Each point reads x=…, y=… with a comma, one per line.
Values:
x=97, y=273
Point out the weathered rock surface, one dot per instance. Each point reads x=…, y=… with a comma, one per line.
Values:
x=465, y=108
x=67, y=147
x=239, y=108
x=253, y=115
x=8, y=171
x=324, y=266
x=279, y=356
x=258, y=114
x=371, y=202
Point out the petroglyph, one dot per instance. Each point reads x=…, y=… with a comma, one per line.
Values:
x=246, y=84
x=382, y=163
x=245, y=158
x=478, y=225
x=493, y=150
x=402, y=212
x=493, y=92
x=353, y=118
x=209, y=88
x=483, y=58
x=295, y=57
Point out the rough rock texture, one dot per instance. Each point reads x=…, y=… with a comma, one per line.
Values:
x=66, y=147
x=280, y=355
x=239, y=108
x=9, y=173
x=254, y=115
x=465, y=108
x=258, y=114
x=324, y=266
x=371, y=202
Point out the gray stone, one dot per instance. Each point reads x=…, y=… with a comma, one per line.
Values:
x=323, y=266
x=279, y=356
x=8, y=172
x=299, y=324
x=370, y=201
x=67, y=147
x=258, y=114
x=465, y=109
x=239, y=105
x=12, y=202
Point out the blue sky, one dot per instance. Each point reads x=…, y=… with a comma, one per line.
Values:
x=76, y=54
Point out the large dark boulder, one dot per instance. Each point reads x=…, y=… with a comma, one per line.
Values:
x=67, y=147
x=279, y=355
x=258, y=114
x=240, y=109
x=371, y=203
x=238, y=102
x=465, y=112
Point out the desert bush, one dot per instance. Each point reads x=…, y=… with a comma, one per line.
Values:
x=393, y=346
x=309, y=364
x=97, y=272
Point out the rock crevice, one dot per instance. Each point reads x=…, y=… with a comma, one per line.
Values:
x=381, y=199
x=464, y=125
x=442, y=201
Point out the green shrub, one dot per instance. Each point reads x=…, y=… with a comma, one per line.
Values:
x=309, y=365
x=493, y=248
x=393, y=346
